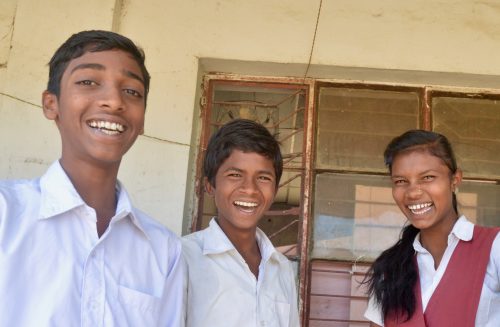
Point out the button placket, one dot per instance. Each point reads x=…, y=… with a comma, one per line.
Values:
x=93, y=289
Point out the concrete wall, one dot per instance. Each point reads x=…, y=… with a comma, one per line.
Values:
x=458, y=38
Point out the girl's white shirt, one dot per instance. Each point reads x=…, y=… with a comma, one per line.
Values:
x=488, y=312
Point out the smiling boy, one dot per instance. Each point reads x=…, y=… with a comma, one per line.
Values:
x=73, y=249
x=235, y=275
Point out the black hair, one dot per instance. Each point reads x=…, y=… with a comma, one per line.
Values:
x=247, y=136
x=92, y=41
x=392, y=277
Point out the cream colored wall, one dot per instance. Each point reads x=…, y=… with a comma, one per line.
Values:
x=454, y=36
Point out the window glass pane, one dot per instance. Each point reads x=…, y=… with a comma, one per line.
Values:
x=355, y=217
x=355, y=125
x=473, y=128
x=479, y=201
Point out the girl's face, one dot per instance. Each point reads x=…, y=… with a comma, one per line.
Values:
x=422, y=186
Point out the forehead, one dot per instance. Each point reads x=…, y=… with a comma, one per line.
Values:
x=248, y=161
x=108, y=59
x=417, y=161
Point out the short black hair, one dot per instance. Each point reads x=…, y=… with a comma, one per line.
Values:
x=93, y=41
x=247, y=136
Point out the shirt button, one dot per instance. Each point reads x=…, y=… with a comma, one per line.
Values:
x=262, y=323
x=93, y=305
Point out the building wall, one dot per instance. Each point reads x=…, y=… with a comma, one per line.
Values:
x=184, y=38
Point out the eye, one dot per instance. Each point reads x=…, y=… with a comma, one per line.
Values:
x=234, y=175
x=133, y=92
x=428, y=178
x=265, y=178
x=86, y=82
x=399, y=182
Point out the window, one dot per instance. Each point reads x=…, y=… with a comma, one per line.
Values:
x=334, y=211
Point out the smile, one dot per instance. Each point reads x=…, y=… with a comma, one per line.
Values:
x=420, y=208
x=246, y=205
x=109, y=128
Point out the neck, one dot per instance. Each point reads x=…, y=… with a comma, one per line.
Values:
x=96, y=186
x=245, y=242
x=435, y=240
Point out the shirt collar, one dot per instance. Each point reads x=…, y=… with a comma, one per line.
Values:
x=462, y=230
x=124, y=209
x=216, y=241
x=267, y=249
x=58, y=195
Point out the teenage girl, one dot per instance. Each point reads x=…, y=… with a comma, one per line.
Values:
x=444, y=271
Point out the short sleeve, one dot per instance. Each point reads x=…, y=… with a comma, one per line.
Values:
x=373, y=312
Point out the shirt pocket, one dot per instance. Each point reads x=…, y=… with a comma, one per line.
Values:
x=274, y=311
x=138, y=305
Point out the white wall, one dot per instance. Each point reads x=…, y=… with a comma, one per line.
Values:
x=450, y=36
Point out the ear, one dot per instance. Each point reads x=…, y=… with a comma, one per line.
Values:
x=456, y=179
x=50, y=105
x=208, y=187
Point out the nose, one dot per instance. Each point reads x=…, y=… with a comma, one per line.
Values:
x=112, y=98
x=414, y=191
x=248, y=185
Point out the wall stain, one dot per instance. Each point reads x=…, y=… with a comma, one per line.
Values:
x=33, y=160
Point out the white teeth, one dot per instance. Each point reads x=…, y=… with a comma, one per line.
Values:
x=107, y=127
x=245, y=204
x=420, y=208
x=108, y=132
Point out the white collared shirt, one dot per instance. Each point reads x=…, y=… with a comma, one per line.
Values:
x=223, y=292
x=56, y=271
x=488, y=312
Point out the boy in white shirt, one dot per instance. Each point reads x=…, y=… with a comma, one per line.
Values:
x=73, y=249
x=235, y=275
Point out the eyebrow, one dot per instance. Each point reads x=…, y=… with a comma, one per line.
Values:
x=133, y=75
x=102, y=67
x=86, y=66
x=421, y=173
x=267, y=172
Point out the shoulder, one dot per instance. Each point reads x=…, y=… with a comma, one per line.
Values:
x=16, y=194
x=192, y=245
x=19, y=208
x=11, y=189
x=284, y=262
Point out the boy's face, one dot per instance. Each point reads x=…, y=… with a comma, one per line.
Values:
x=100, y=109
x=245, y=189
